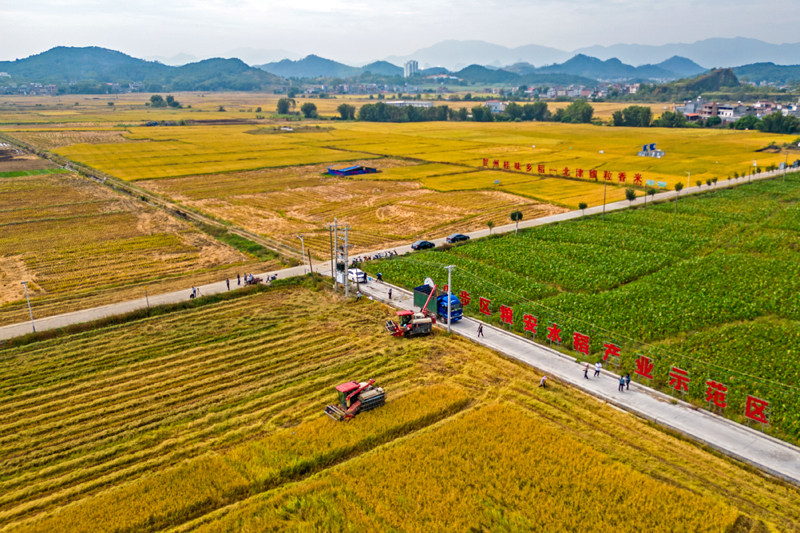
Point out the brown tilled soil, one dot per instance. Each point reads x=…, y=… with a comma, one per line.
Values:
x=13, y=160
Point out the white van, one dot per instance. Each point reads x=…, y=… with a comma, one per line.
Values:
x=356, y=275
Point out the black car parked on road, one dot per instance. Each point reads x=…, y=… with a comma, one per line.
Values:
x=457, y=237
x=421, y=245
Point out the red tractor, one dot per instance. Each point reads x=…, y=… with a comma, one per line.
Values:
x=413, y=324
x=355, y=397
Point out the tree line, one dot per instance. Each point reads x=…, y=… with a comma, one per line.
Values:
x=642, y=117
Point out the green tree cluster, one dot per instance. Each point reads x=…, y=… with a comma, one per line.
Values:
x=578, y=112
x=309, y=110
x=514, y=111
x=284, y=104
x=633, y=116
x=347, y=111
x=158, y=101
x=774, y=123
x=382, y=112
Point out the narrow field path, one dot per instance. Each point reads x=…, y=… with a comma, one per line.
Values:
x=86, y=315
x=779, y=458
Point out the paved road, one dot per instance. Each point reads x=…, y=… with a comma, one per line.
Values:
x=77, y=317
x=749, y=445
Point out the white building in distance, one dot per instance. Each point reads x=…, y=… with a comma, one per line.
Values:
x=411, y=68
x=410, y=103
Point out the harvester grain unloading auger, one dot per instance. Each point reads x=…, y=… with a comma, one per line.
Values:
x=355, y=397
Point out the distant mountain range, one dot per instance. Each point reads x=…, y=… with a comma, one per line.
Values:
x=614, y=69
x=580, y=69
x=62, y=65
x=710, y=53
x=314, y=67
x=455, y=55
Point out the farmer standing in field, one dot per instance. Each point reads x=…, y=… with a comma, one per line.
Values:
x=597, y=367
x=541, y=381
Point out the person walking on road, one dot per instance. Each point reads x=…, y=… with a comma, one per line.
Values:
x=542, y=382
x=598, y=366
x=480, y=330
x=628, y=381
x=228, y=283
x=390, y=293
x=621, y=383
x=586, y=371
x=238, y=279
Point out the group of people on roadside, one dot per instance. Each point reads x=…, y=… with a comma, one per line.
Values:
x=624, y=381
x=382, y=255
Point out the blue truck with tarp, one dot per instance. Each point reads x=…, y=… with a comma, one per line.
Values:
x=437, y=305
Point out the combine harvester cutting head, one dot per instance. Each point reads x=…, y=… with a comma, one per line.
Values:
x=355, y=397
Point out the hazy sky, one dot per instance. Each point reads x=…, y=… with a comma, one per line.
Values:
x=361, y=30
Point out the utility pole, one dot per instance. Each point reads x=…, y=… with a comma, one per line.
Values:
x=303, y=244
x=785, y=166
x=605, y=181
x=340, y=253
x=147, y=299
x=25, y=284
x=449, y=292
x=688, y=180
x=333, y=272
x=336, y=253
x=346, y=265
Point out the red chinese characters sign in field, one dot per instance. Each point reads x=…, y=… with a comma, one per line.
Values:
x=716, y=393
x=566, y=172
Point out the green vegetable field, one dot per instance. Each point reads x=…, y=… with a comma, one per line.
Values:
x=712, y=290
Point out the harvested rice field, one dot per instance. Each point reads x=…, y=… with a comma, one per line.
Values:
x=80, y=244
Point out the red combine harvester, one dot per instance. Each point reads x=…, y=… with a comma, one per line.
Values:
x=413, y=324
x=355, y=397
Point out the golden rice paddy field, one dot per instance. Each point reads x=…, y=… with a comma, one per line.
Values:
x=181, y=151
x=283, y=202
x=80, y=245
x=210, y=419
x=436, y=178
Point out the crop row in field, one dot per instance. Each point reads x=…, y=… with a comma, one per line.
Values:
x=532, y=478
x=70, y=236
x=169, y=421
x=650, y=275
